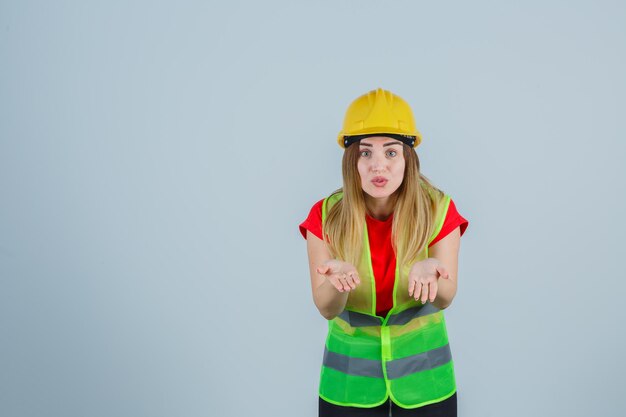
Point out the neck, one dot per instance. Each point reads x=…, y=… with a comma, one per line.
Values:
x=380, y=208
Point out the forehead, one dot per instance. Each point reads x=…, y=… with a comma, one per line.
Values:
x=379, y=141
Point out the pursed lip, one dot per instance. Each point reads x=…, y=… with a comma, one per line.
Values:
x=379, y=179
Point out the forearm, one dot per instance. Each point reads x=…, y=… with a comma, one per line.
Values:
x=328, y=300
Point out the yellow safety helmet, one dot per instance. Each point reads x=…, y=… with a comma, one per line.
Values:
x=379, y=113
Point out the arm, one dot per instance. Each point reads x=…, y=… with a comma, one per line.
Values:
x=446, y=251
x=328, y=300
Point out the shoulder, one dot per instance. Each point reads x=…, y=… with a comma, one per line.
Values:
x=440, y=202
x=313, y=222
x=436, y=195
x=316, y=209
x=330, y=201
x=318, y=205
x=451, y=221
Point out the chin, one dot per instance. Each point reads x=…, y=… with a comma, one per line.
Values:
x=378, y=193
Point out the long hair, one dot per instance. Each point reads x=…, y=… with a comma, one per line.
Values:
x=413, y=213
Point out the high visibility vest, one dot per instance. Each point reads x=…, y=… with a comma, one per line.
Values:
x=405, y=355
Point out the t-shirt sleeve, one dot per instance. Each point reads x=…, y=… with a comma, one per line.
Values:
x=314, y=221
x=452, y=221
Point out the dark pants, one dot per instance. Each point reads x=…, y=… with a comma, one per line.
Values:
x=445, y=408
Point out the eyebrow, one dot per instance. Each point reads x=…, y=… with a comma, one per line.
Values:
x=386, y=144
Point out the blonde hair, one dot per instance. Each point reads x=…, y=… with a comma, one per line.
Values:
x=413, y=213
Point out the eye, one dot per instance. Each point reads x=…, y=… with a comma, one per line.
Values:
x=392, y=153
x=365, y=153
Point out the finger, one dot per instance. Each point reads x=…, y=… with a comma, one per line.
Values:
x=418, y=291
x=344, y=283
x=411, y=287
x=355, y=276
x=432, y=293
x=345, y=280
x=337, y=283
x=350, y=280
x=424, y=297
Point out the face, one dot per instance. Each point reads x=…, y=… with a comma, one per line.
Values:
x=380, y=165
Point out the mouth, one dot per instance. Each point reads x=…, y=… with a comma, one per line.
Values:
x=379, y=181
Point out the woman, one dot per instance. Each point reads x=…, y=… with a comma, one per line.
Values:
x=383, y=253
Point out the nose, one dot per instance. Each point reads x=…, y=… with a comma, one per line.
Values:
x=378, y=163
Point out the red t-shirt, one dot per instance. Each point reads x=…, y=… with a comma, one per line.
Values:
x=383, y=256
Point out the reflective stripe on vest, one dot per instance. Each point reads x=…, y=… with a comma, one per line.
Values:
x=405, y=356
x=356, y=319
x=396, y=368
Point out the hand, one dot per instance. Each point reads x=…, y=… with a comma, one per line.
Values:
x=341, y=274
x=423, y=279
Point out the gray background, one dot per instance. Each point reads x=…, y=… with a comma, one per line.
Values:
x=156, y=159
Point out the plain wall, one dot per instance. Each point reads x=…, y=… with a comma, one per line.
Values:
x=156, y=159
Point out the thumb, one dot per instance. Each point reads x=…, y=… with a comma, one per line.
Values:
x=322, y=269
x=443, y=272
